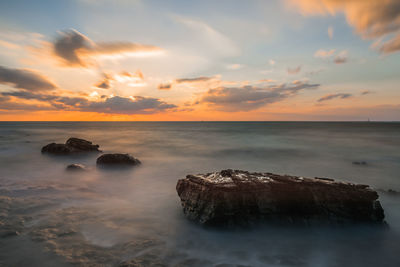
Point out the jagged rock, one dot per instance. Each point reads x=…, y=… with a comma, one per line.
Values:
x=117, y=159
x=76, y=167
x=241, y=198
x=73, y=145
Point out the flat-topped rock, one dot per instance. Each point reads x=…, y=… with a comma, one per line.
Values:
x=73, y=145
x=241, y=198
x=117, y=159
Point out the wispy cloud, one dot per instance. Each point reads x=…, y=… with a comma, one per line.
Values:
x=194, y=80
x=76, y=49
x=365, y=92
x=250, y=97
x=333, y=96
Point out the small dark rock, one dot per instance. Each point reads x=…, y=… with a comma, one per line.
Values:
x=117, y=159
x=76, y=167
x=73, y=145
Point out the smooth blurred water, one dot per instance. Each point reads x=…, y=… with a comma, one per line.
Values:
x=104, y=217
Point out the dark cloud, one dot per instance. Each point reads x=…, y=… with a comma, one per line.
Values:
x=193, y=80
x=124, y=105
x=164, y=86
x=73, y=48
x=113, y=105
x=365, y=92
x=106, y=82
x=249, y=97
x=68, y=45
x=25, y=79
x=294, y=70
x=333, y=96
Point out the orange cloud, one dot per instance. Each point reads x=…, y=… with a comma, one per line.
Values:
x=195, y=80
x=131, y=79
x=370, y=18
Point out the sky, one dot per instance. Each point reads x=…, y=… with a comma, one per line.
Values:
x=175, y=60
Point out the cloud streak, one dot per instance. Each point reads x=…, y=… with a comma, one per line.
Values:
x=76, y=49
x=111, y=105
x=201, y=79
x=333, y=96
x=25, y=79
x=250, y=97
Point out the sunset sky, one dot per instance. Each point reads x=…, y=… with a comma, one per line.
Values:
x=199, y=60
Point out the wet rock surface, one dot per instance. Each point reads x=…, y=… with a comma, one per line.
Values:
x=73, y=145
x=234, y=197
x=117, y=159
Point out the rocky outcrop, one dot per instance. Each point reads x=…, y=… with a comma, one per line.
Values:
x=76, y=167
x=73, y=145
x=241, y=198
x=117, y=159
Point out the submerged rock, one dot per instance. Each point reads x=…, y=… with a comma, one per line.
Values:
x=76, y=167
x=73, y=145
x=241, y=198
x=117, y=159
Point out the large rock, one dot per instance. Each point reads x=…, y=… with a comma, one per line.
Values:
x=117, y=159
x=241, y=198
x=73, y=145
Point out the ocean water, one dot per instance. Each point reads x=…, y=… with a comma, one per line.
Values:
x=50, y=217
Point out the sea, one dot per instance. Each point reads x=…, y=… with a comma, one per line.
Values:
x=133, y=216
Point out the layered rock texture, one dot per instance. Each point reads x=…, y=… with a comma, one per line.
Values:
x=234, y=197
x=73, y=145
